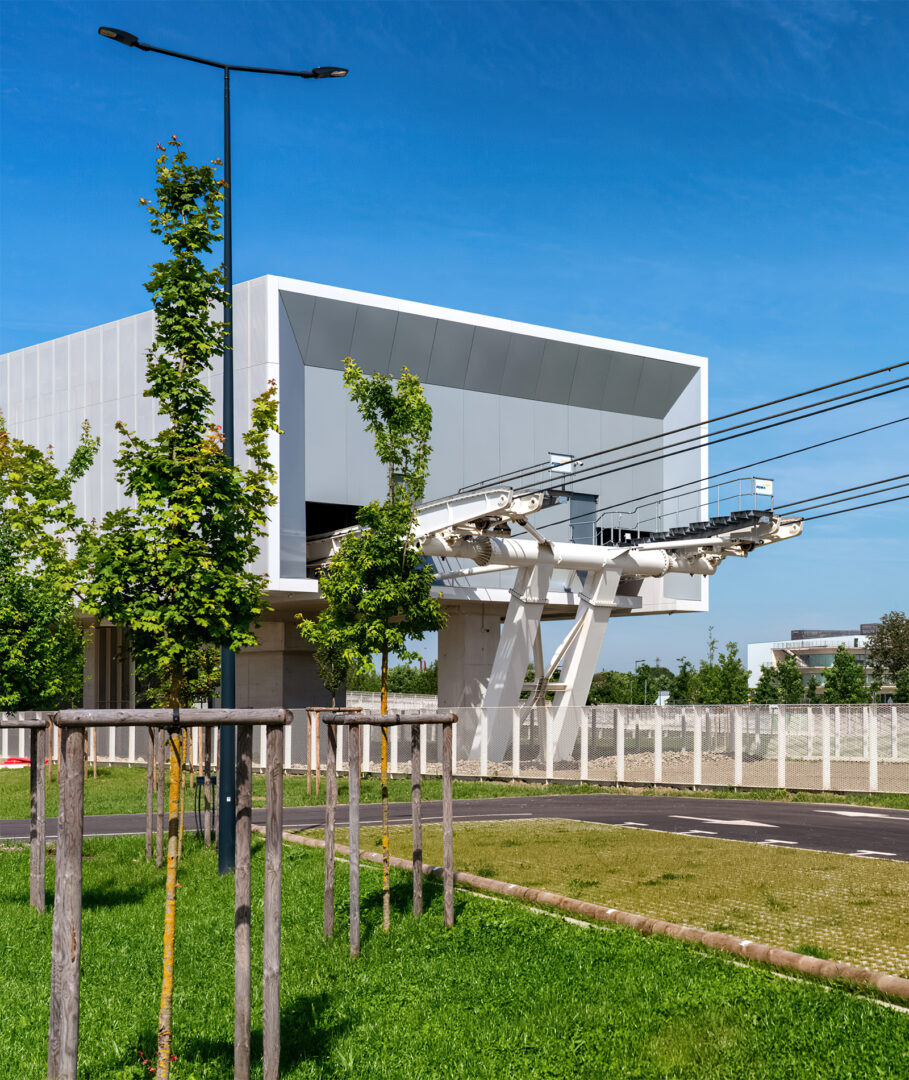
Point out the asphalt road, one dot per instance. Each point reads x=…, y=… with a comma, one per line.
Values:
x=863, y=831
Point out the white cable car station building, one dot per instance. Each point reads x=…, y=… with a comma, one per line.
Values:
x=504, y=395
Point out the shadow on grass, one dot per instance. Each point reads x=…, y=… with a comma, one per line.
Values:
x=107, y=896
x=401, y=894
x=306, y=1035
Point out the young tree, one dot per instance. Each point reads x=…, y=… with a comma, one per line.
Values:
x=845, y=682
x=813, y=691
x=685, y=688
x=901, y=684
x=609, y=687
x=41, y=642
x=172, y=567
x=789, y=677
x=767, y=691
x=888, y=646
x=377, y=586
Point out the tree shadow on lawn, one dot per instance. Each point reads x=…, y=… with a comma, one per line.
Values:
x=401, y=894
x=106, y=896
x=306, y=1035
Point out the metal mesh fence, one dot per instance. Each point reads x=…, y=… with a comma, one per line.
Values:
x=812, y=747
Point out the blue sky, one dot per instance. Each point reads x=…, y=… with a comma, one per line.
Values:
x=722, y=178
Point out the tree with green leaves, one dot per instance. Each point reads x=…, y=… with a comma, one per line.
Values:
x=172, y=566
x=814, y=691
x=609, y=687
x=789, y=676
x=684, y=687
x=767, y=690
x=901, y=686
x=41, y=641
x=888, y=646
x=845, y=681
x=378, y=587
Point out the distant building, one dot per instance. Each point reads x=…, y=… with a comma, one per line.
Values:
x=814, y=651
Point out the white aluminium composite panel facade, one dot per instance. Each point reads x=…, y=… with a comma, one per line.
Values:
x=504, y=395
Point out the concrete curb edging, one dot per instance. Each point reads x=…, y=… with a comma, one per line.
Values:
x=892, y=985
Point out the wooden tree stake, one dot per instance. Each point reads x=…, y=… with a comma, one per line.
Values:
x=331, y=802
x=37, y=852
x=206, y=788
x=353, y=767
x=161, y=736
x=271, y=939
x=66, y=946
x=447, y=826
x=242, y=904
x=416, y=811
x=149, y=791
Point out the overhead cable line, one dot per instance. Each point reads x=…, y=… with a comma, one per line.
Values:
x=850, y=509
x=597, y=471
x=843, y=491
x=700, y=481
x=812, y=504
x=506, y=477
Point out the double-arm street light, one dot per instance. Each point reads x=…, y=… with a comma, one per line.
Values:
x=226, y=735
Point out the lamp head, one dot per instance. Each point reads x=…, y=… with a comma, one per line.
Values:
x=328, y=73
x=123, y=36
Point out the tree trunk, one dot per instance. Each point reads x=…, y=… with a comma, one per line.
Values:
x=170, y=908
x=386, y=883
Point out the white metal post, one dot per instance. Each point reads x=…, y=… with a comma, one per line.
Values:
x=585, y=724
x=4, y=743
x=484, y=742
x=548, y=742
x=837, y=733
x=737, y=747
x=894, y=748
x=454, y=749
x=364, y=749
x=619, y=746
x=516, y=743
x=112, y=743
x=393, y=749
x=657, y=744
x=287, y=752
x=780, y=749
x=132, y=744
x=697, y=769
x=340, y=729
x=423, y=737
x=825, y=747
x=869, y=718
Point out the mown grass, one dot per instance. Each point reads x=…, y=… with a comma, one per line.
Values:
x=121, y=790
x=808, y=901
x=507, y=993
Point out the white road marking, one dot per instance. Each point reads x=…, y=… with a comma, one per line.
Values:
x=771, y=841
x=862, y=813
x=637, y=824
x=725, y=821
x=866, y=851
x=700, y=832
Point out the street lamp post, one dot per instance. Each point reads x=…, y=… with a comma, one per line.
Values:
x=227, y=777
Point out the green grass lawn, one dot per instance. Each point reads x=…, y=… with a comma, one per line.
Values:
x=507, y=993
x=827, y=905
x=121, y=790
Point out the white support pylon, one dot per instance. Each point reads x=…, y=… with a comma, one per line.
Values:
x=519, y=631
x=579, y=663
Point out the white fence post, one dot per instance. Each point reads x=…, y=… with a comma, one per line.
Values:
x=837, y=733
x=894, y=749
x=585, y=721
x=4, y=744
x=697, y=749
x=780, y=749
x=825, y=747
x=619, y=716
x=364, y=750
x=392, y=749
x=132, y=744
x=548, y=741
x=423, y=737
x=340, y=729
x=484, y=742
x=657, y=744
x=737, y=747
x=112, y=743
x=516, y=743
x=454, y=748
x=870, y=722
